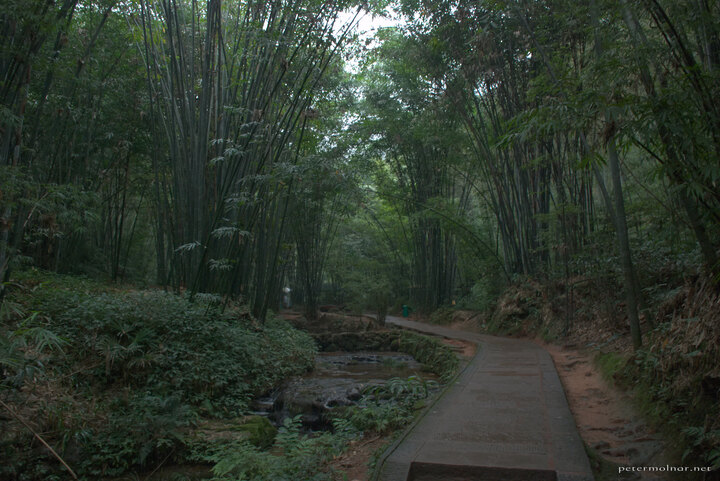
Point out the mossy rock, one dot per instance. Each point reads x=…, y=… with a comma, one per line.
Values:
x=261, y=432
x=355, y=341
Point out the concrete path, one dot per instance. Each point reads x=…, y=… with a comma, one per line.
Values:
x=504, y=419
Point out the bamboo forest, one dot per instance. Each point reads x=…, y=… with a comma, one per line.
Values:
x=378, y=240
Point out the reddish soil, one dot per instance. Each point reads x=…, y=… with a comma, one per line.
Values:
x=462, y=348
x=353, y=464
x=604, y=415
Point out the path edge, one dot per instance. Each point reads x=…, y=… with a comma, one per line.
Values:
x=398, y=440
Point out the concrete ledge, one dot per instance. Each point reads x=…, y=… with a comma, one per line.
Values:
x=434, y=472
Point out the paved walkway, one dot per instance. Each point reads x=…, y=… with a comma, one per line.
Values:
x=504, y=419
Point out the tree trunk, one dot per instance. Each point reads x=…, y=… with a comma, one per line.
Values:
x=631, y=286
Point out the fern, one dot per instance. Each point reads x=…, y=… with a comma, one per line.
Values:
x=386, y=407
x=703, y=440
x=300, y=456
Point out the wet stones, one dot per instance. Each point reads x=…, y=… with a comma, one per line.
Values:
x=339, y=379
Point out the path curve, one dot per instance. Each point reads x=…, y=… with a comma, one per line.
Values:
x=504, y=418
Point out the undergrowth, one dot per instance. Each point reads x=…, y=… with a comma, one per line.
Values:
x=442, y=316
x=121, y=381
x=677, y=374
x=294, y=456
x=387, y=407
x=115, y=379
x=610, y=364
x=298, y=456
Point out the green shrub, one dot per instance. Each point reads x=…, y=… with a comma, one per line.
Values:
x=375, y=416
x=610, y=363
x=385, y=408
x=484, y=293
x=140, y=431
x=23, y=349
x=134, y=370
x=161, y=343
x=294, y=456
x=129, y=372
x=261, y=432
x=442, y=315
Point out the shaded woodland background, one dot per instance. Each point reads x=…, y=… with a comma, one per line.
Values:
x=553, y=165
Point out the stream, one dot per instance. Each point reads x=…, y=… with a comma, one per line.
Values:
x=339, y=379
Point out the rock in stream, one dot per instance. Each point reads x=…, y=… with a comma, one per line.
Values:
x=339, y=379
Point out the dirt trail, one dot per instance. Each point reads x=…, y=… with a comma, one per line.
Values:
x=604, y=415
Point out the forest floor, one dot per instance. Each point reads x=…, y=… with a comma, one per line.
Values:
x=605, y=417
x=355, y=462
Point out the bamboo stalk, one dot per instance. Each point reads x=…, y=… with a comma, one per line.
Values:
x=40, y=438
